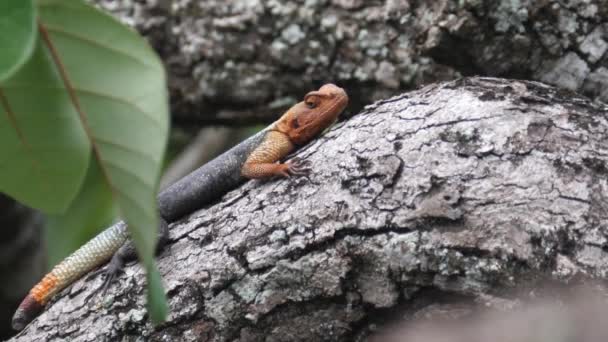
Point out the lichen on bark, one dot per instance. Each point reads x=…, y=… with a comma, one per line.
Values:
x=235, y=62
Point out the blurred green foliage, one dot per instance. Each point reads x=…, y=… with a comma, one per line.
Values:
x=83, y=123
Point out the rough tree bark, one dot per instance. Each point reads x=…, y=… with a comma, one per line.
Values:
x=462, y=191
x=242, y=61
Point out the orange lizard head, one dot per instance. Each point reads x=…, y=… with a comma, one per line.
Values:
x=319, y=110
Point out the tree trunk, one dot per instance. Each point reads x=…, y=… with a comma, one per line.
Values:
x=244, y=61
x=455, y=192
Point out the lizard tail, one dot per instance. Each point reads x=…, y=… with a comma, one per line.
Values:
x=92, y=254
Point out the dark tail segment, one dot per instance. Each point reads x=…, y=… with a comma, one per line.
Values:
x=208, y=183
x=28, y=310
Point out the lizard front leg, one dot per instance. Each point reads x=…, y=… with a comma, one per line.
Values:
x=262, y=162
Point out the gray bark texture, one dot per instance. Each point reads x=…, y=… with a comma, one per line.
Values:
x=243, y=61
x=462, y=191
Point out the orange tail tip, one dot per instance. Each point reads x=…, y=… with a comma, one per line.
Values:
x=27, y=311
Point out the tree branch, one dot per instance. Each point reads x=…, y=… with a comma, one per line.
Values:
x=238, y=62
x=465, y=189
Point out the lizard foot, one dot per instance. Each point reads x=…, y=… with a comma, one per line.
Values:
x=110, y=273
x=115, y=267
x=297, y=167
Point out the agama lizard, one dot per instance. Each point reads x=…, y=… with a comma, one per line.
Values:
x=255, y=157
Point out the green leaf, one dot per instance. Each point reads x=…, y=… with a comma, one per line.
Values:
x=157, y=304
x=91, y=211
x=17, y=34
x=45, y=151
x=92, y=88
x=117, y=84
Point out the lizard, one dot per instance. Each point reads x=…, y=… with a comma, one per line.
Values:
x=257, y=157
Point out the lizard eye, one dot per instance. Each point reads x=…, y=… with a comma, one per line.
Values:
x=311, y=100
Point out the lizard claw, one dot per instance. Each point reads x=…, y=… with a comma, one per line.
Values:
x=110, y=273
x=298, y=167
x=113, y=270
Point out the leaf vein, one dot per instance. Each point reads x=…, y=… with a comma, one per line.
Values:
x=126, y=148
x=92, y=93
x=127, y=171
x=133, y=201
x=82, y=38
